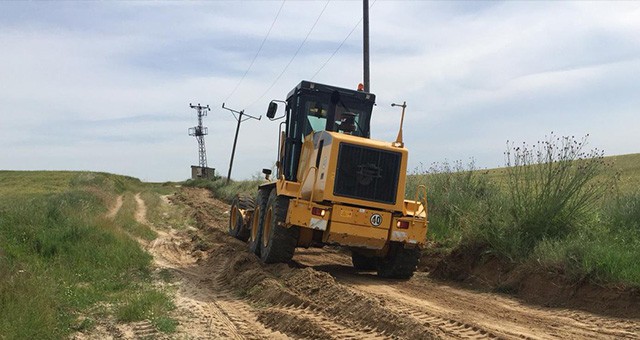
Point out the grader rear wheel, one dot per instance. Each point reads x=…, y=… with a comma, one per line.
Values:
x=241, y=207
x=278, y=242
x=400, y=263
x=362, y=262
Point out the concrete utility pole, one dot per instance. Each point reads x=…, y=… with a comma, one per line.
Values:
x=240, y=119
x=365, y=45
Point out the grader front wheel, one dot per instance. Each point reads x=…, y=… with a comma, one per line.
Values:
x=255, y=235
x=241, y=209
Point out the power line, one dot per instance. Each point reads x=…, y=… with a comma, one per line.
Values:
x=257, y=53
x=342, y=43
x=294, y=56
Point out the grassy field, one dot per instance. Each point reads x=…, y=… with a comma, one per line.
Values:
x=63, y=264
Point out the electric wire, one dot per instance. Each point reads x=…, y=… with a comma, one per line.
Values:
x=257, y=53
x=293, y=57
x=342, y=43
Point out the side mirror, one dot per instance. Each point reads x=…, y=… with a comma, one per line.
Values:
x=271, y=111
x=267, y=173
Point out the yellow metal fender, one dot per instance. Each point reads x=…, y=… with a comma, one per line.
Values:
x=415, y=233
x=300, y=214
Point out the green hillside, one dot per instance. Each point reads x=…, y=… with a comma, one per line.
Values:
x=63, y=263
x=625, y=167
x=628, y=169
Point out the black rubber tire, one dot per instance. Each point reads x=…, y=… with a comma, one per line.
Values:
x=362, y=262
x=281, y=241
x=257, y=221
x=237, y=227
x=400, y=263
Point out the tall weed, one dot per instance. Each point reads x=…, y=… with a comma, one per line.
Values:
x=551, y=190
x=460, y=198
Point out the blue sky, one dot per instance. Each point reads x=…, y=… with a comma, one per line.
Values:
x=106, y=86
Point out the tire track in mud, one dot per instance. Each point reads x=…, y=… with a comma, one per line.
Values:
x=141, y=210
x=445, y=319
x=144, y=329
x=113, y=211
x=621, y=329
x=204, y=309
x=540, y=322
x=294, y=313
x=461, y=313
x=329, y=329
x=466, y=313
x=450, y=327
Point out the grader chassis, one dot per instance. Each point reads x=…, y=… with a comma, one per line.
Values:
x=334, y=185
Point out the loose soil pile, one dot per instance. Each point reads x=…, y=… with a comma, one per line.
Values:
x=472, y=266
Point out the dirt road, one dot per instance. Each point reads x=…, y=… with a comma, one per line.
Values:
x=224, y=292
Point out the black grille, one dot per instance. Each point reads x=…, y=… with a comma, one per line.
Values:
x=367, y=173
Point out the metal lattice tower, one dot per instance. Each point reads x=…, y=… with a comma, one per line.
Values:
x=199, y=132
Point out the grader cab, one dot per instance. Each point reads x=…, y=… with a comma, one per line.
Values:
x=334, y=185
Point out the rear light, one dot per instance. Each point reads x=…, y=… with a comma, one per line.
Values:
x=318, y=211
x=403, y=224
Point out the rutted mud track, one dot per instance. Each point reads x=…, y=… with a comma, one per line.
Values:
x=206, y=307
x=226, y=292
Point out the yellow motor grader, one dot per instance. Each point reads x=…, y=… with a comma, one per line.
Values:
x=334, y=185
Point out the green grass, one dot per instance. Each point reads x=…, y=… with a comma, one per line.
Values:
x=226, y=192
x=460, y=199
x=18, y=183
x=126, y=219
x=146, y=305
x=596, y=253
x=163, y=215
x=59, y=256
x=608, y=250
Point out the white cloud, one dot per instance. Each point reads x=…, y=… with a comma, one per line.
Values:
x=473, y=74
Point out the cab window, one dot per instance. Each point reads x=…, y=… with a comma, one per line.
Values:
x=316, y=113
x=359, y=113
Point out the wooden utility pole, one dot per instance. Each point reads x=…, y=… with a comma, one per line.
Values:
x=365, y=45
x=240, y=119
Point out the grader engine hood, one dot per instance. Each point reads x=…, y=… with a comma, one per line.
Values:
x=353, y=170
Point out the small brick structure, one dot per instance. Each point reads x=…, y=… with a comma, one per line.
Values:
x=202, y=172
